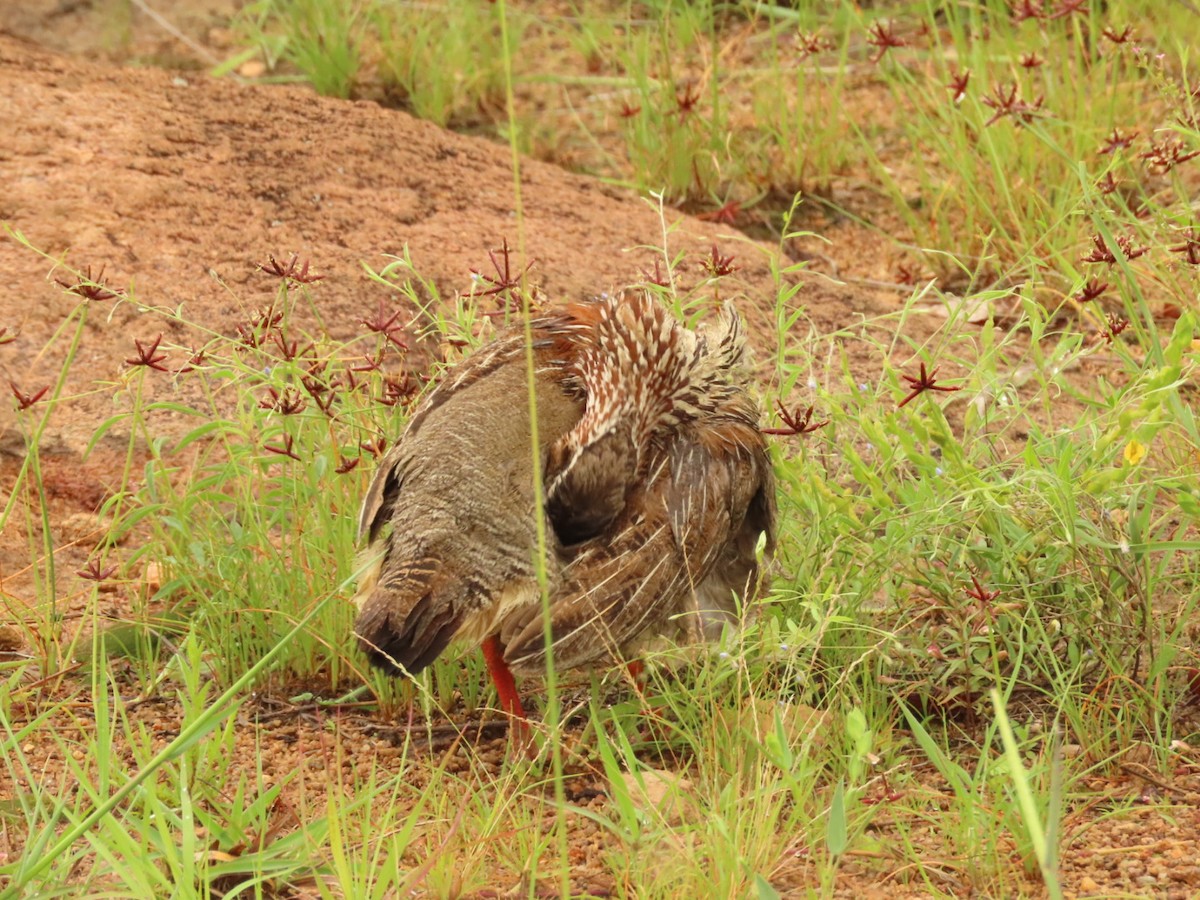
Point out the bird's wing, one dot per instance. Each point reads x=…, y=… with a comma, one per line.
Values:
x=381, y=494
x=585, y=496
x=614, y=589
x=718, y=525
x=665, y=544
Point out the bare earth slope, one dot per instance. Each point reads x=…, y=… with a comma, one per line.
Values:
x=178, y=184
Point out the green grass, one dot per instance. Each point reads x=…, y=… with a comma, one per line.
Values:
x=750, y=103
x=966, y=584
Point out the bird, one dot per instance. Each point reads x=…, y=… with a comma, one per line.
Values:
x=657, y=484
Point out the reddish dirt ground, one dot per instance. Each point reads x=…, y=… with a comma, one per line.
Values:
x=177, y=184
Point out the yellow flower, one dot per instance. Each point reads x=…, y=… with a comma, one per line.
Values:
x=1135, y=451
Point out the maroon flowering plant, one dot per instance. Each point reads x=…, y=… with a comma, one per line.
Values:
x=1102, y=253
x=686, y=100
x=506, y=281
x=1027, y=9
x=369, y=364
x=389, y=326
x=1007, y=102
x=319, y=391
x=253, y=332
x=811, y=44
x=1068, y=8
x=289, y=350
x=1091, y=291
x=284, y=448
x=795, y=422
x=1107, y=184
x=376, y=447
x=910, y=273
x=958, y=85
x=293, y=270
x=399, y=390
x=90, y=288
x=1165, y=155
x=926, y=381
x=1114, y=326
x=718, y=266
x=725, y=215
x=93, y=572
x=147, y=355
x=1189, y=249
x=657, y=277
x=287, y=402
x=978, y=592
x=1118, y=140
x=24, y=401
x=882, y=36
x=1124, y=36
x=194, y=361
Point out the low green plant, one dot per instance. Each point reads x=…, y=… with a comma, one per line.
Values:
x=443, y=63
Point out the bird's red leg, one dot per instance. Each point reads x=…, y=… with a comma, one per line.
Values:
x=635, y=668
x=506, y=686
x=637, y=671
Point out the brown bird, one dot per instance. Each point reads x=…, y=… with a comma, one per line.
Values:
x=657, y=488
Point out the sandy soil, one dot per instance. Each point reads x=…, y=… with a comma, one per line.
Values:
x=176, y=185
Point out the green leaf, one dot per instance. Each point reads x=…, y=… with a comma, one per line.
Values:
x=765, y=889
x=836, y=834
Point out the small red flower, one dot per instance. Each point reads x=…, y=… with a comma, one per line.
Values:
x=288, y=270
x=93, y=572
x=284, y=449
x=1118, y=141
x=884, y=38
x=24, y=401
x=1101, y=253
x=90, y=288
x=148, y=355
x=387, y=325
x=926, y=381
x=795, y=422
x=717, y=265
x=1090, y=291
x=958, y=85
x=348, y=464
x=687, y=99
